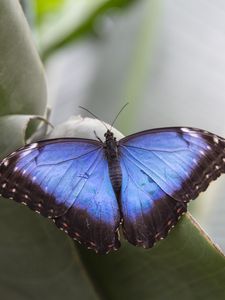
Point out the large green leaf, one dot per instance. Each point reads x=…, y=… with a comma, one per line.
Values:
x=37, y=261
x=186, y=265
x=22, y=80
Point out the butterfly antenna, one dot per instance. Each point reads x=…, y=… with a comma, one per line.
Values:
x=118, y=115
x=93, y=116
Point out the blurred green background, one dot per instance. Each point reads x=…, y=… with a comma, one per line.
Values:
x=166, y=58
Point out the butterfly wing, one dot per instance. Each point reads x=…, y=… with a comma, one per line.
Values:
x=162, y=170
x=66, y=180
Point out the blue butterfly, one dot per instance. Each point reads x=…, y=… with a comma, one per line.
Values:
x=88, y=187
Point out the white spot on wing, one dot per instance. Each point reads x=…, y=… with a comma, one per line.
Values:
x=194, y=134
x=32, y=146
x=6, y=162
x=28, y=150
x=184, y=129
x=195, y=161
x=215, y=139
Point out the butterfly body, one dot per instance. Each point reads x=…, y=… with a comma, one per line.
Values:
x=89, y=187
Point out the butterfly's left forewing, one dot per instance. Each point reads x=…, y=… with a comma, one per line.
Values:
x=66, y=180
x=162, y=170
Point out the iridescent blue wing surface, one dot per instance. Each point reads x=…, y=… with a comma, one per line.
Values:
x=66, y=180
x=162, y=170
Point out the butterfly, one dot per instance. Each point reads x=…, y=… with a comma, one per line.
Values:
x=90, y=188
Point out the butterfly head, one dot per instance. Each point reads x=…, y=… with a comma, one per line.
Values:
x=111, y=147
x=109, y=136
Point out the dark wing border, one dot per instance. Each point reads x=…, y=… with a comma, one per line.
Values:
x=177, y=129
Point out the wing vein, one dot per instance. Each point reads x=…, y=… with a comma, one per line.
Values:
x=150, y=170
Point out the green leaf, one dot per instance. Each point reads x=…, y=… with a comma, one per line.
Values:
x=186, y=265
x=47, y=7
x=37, y=260
x=22, y=80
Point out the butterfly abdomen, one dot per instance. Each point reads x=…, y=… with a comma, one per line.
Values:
x=111, y=151
x=115, y=174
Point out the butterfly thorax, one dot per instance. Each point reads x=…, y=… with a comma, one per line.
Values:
x=112, y=155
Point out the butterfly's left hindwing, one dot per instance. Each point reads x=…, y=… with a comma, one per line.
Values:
x=66, y=180
x=162, y=170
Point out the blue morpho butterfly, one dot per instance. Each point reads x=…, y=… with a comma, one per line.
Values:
x=88, y=187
